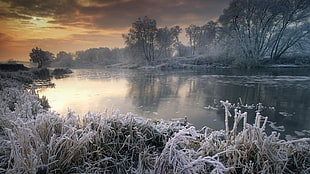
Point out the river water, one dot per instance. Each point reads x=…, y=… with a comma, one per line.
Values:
x=284, y=93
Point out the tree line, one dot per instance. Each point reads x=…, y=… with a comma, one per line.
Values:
x=248, y=31
x=94, y=56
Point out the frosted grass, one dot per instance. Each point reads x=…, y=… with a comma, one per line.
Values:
x=34, y=140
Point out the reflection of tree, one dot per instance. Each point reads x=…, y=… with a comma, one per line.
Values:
x=147, y=90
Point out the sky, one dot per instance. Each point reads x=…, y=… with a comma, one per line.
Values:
x=73, y=25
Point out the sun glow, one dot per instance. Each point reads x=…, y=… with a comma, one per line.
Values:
x=65, y=95
x=40, y=22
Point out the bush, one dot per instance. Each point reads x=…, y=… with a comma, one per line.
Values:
x=41, y=73
x=61, y=72
x=245, y=63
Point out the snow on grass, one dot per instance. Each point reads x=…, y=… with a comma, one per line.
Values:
x=34, y=140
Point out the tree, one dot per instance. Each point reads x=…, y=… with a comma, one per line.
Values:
x=294, y=26
x=202, y=37
x=193, y=33
x=43, y=58
x=99, y=56
x=142, y=36
x=208, y=35
x=167, y=39
x=147, y=41
x=266, y=27
x=64, y=59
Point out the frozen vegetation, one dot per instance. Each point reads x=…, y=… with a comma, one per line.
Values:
x=36, y=140
x=193, y=62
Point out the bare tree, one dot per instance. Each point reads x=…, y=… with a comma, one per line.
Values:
x=266, y=27
x=192, y=32
x=294, y=25
x=207, y=36
x=142, y=37
x=201, y=37
x=167, y=39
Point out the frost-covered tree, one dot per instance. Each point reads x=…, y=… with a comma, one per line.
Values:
x=266, y=27
x=43, y=58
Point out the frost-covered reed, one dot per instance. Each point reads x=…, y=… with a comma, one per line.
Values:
x=34, y=140
x=249, y=151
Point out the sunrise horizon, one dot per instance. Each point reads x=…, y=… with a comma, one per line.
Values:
x=69, y=25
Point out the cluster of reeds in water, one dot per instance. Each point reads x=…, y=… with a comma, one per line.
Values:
x=33, y=140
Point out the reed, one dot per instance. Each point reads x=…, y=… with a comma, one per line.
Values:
x=229, y=151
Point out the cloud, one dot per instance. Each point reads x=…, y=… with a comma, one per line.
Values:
x=13, y=15
x=115, y=14
x=3, y=37
x=55, y=28
x=42, y=8
x=8, y=46
x=5, y=40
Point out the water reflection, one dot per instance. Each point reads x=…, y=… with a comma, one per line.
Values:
x=148, y=90
x=192, y=94
x=82, y=95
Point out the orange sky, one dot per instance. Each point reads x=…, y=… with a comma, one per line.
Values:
x=72, y=25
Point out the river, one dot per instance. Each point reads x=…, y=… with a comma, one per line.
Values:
x=284, y=93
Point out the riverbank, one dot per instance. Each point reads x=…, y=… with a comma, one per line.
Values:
x=35, y=140
x=204, y=63
x=197, y=62
x=201, y=63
